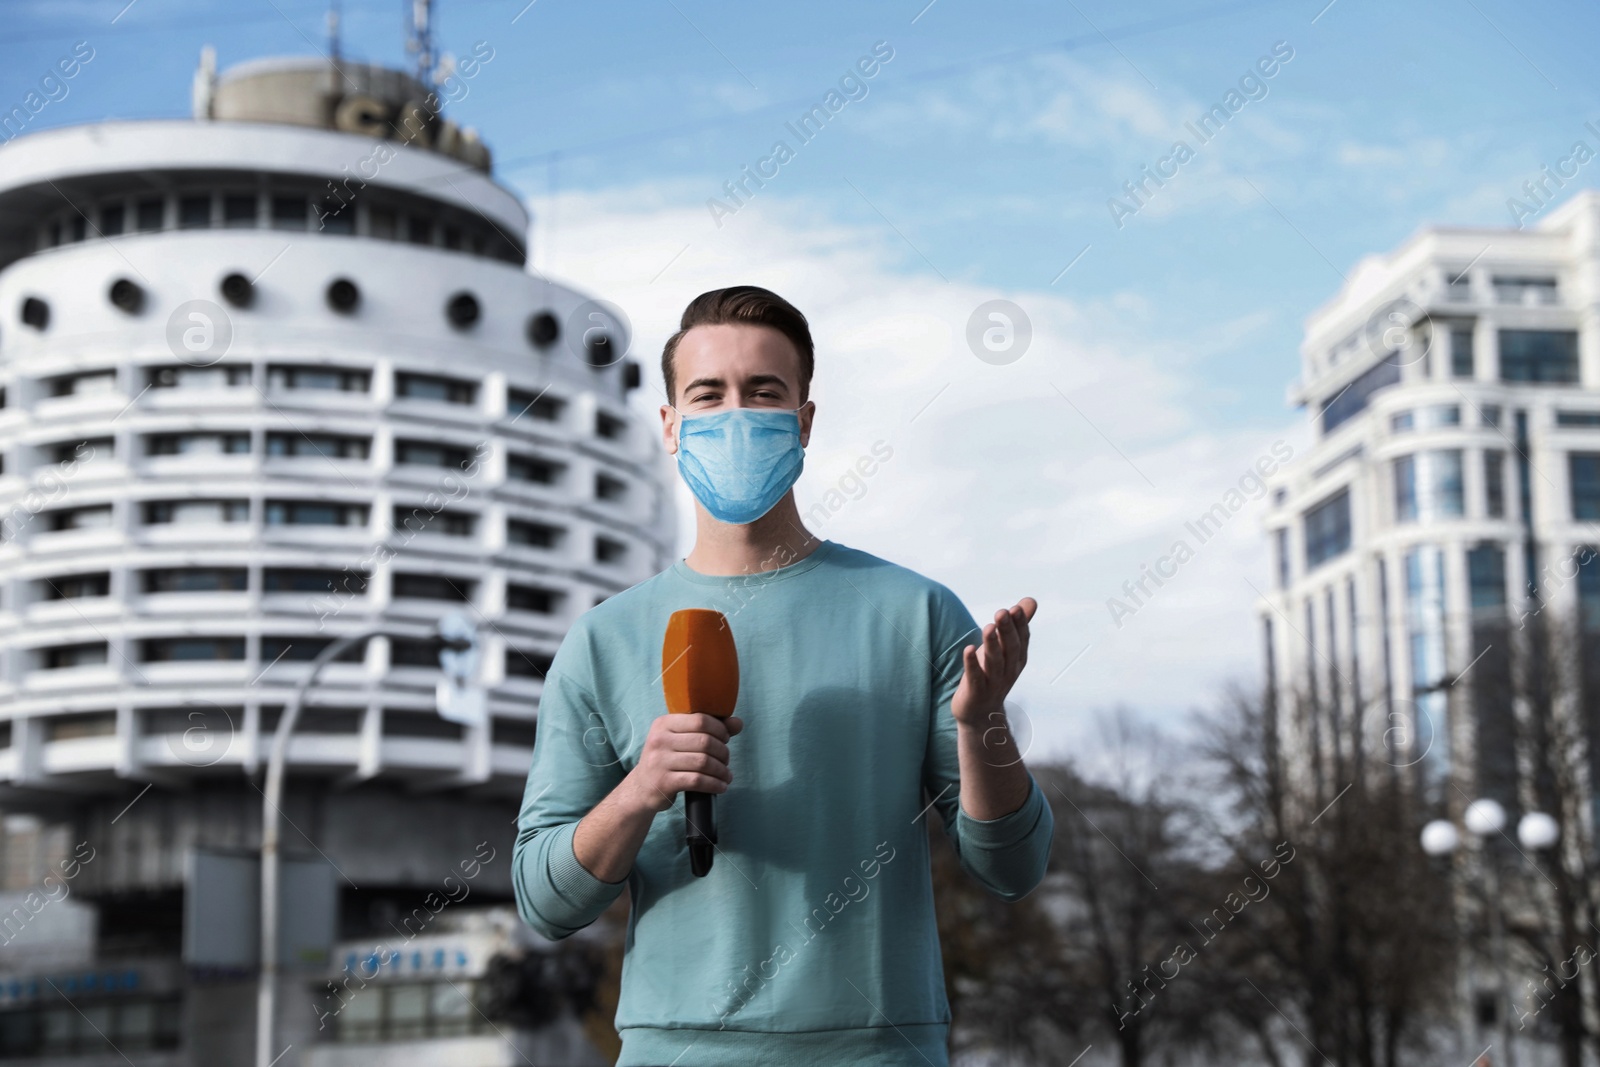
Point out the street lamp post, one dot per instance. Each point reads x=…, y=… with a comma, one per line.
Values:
x=1485, y=818
x=267, y=989
x=457, y=638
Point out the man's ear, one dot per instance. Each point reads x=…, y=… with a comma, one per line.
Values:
x=669, y=436
x=807, y=412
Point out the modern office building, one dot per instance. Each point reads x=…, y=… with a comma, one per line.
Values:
x=1450, y=495
x=271, y=376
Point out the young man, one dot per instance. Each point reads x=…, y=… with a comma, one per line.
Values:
x=868, y=697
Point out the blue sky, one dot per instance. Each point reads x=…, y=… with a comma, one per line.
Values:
x=978, y=165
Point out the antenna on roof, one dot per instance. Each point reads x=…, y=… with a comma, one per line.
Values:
x=333, y=30
x=419, y=39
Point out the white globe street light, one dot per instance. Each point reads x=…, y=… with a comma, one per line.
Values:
x=1440, y=838
x=1538, y=830
x=1484, y=817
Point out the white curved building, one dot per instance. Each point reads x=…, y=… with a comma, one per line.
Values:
x=1451, y=492
x=269, y=379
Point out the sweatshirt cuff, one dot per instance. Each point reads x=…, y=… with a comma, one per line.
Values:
x=1007, y=830
x=580, y=890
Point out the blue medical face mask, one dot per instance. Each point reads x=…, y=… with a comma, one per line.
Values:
x=740, y=462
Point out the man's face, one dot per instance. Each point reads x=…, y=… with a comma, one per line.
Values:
x=734, y=366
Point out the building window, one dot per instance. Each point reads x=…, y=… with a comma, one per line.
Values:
x=220, y=377
x=1281, y=543
x=414, y=652
x=1437, y=415
x=1526, y=291
x=314, y=513
x=326, y=445
x=1462, y=363
x=1428, y=485
x=93, y=448
x=1578, y=418
x=1327, y=529
x=1588, y=587
x=277, y=648
x=1486, y=576
x=1431, y=417
x=91, y=518
x=112, y=219
x=151, y=214
x=521, y=663
x=1490, y=414
x=411, y=1011
x=190, y=649
x=1352, y=399
x=194, y=580
x=195, y=512
x=331, y=378
x=431, y=587
x=433, y=387
x=607, y=487
x=290, y=213
x=609, y=550
x=431, y=454
x=1583, y=470
x=539, y=534
x=1539, y=356
x=76, y=586
x=62, y=657
x=381, y=223
x=541, y=406
x=312, y=580
x=196, y=444
x=1425, y=606
x=532, y=598
x=239, y=211
x=336, y=216
x=94, y=383
x=194, y=212
x=421, y=520
x=609, y=426
x=1494, y=482
x=533, y=469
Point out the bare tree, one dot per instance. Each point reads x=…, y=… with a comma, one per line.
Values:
x=1353, y=940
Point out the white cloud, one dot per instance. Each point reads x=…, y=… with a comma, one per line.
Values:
x=998, y=486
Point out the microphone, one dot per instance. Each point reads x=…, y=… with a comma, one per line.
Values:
x=700, y=673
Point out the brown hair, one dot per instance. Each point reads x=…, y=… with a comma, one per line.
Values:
x=743, y=304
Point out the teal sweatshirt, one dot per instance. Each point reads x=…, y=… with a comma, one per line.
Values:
x=812, y=941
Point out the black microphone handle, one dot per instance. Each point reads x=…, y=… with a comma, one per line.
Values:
x=700, y=830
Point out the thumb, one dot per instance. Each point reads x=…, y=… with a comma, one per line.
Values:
x=734, y=724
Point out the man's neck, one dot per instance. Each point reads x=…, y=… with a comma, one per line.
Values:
x=775, y=540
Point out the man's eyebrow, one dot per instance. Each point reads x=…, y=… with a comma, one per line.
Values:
x=753, y=380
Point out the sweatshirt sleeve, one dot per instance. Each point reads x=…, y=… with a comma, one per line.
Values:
x=1008, y=855
x=574, y=767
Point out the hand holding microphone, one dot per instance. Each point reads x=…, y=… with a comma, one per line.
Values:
x=684, y=753
x=700, y=680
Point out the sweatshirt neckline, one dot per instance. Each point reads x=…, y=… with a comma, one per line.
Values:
x=682, y=569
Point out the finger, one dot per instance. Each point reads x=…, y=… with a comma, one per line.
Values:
x=688, y=782
x=734, y=724
x=696, y=742
x=1022, y=615
x=698, y=763
x=1010, y=640
x=992, y=651
x=698, y=723
x=969, y=662
x=1028, y=606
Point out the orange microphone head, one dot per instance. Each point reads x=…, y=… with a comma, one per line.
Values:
x=700, y=665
